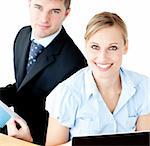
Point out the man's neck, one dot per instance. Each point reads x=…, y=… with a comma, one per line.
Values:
x=46, y=40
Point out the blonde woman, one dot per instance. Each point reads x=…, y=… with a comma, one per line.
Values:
x=103, y=97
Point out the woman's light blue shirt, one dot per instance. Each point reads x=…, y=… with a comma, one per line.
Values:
x=78, y=105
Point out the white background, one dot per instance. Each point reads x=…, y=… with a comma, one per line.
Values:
x=14, y=15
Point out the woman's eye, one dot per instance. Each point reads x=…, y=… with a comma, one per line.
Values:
x=113, y=48
x=95, y=47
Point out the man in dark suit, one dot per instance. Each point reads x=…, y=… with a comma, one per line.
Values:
x=59, y=59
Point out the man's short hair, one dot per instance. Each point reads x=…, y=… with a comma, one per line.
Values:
x=67, y=3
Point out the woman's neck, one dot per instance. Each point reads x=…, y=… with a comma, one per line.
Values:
x=110, y=90
x=110, y=83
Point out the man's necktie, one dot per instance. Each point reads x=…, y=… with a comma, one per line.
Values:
x=35, y=50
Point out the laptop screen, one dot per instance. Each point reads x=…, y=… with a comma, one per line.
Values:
x=126, y=139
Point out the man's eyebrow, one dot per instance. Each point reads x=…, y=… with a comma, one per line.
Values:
x=56, y=9
x=37, y=5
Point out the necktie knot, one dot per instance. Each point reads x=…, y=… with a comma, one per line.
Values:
x=35, y=50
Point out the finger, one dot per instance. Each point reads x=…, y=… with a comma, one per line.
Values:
x=11, y=127
x=24, y=131
x=21, y=122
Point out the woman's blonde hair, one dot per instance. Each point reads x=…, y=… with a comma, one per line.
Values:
x=104, y=20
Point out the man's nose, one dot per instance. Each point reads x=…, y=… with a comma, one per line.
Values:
x=45, y=17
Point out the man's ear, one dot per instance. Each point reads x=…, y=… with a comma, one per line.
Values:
x=125, y=50
x=67, y=12
x=29, y=2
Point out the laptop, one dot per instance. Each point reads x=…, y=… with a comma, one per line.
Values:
x=124, y=139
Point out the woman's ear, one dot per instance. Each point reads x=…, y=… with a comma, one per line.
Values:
x=85, y=49
x=125, y=50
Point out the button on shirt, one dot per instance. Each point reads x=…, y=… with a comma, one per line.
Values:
x=77, y=104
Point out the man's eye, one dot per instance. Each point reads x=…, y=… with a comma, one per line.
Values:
x=113, y=48
x=95, y=47
x=56, y=11
x=38, y=7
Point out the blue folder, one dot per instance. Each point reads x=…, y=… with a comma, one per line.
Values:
x=4, y=117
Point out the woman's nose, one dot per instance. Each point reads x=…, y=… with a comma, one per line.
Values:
x=102, y=55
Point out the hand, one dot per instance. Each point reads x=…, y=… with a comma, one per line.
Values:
x=18, y=128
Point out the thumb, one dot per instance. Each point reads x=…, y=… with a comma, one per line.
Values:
x=11, y=127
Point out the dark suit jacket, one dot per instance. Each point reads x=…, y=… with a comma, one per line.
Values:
x=60, y=59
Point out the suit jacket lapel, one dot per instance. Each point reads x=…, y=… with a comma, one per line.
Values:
x=24, y=49
x=41, y=63
x=46, y=57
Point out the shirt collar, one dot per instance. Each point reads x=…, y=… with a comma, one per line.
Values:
x=128, y=87
x=90, y=85
x=126, y=79
x=47, y=40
